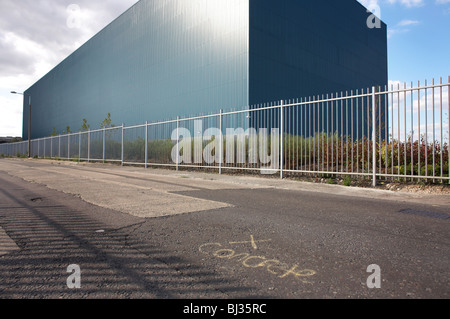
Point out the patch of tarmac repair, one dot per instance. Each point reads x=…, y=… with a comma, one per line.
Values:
x=145, y=199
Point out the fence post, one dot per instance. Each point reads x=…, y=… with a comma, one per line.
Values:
x=122, y=157
x=89, y=145
x=221, y=142
x=178, y=142
x=79, y=146
x=374, y=138
x=68, y=146
x=104, y=138
x=281, y=139
x=146, y=144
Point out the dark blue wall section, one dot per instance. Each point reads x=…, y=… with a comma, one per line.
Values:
x=166, y=58
x=305, y=48
x=302, y=49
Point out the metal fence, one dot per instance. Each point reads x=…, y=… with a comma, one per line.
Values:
x=397, y=132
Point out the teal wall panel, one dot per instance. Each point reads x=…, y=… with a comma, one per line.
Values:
x=158, y=60
x=168, y=58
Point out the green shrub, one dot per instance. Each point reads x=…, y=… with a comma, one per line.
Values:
x=347, y=181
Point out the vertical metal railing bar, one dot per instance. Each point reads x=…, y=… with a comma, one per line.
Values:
x=312, y=137
x=327, y=133
x=322, y=137
x=336, y=135
x=448, y=126
x=252, y=141
x=434, y=132
x=311, y=143
x=122, y=146
x=319, y=134
x=426, y=130
x=374, y=139
x=311, y=140
x=347, y=132
x=379, y=124
x=294, y=136
x=369, y=130
x=412, y=132
x=363, y=135
x=308, y=134
x=282, y=138
x=79, y=146
x=392, y=130
x=301, y=107
x=419, y=144
x=104, y=144
x=297, y=134
x=68, y=147
x=146, y=145
x=287, y=136
x=352, y=132
x=258, y=129
x=221, y=141
x=357, y=133
x=178, y=143
x=337, y=131
x=332, y=133
x=386, y=128
x=342, y=133
x=404, y=128
x=366, y=135
x=398, y=129
x=442, y=132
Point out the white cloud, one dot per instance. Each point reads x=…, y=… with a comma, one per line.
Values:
x=404, y=23
x=409, y=3
x=34, y=37
x=413, y=106
x=402, y=27
x=369, y=3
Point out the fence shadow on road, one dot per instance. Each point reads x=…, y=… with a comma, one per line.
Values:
x=52, y=236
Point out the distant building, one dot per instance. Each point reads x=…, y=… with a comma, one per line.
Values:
x=10, y=139
x=164, y=58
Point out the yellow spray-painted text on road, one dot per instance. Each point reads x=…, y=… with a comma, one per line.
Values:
x=273, y=266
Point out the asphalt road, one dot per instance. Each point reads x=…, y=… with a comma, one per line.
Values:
x=138, y=233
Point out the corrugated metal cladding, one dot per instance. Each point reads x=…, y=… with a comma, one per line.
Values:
x=164, y=58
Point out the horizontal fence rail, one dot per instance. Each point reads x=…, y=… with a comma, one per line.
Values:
x=397, y=132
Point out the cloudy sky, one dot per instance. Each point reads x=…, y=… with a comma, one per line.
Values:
x=35, y=35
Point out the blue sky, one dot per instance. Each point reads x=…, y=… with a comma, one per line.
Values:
x=35, y=36
x=418, y=38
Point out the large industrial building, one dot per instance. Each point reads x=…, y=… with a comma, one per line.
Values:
x=167, y=58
